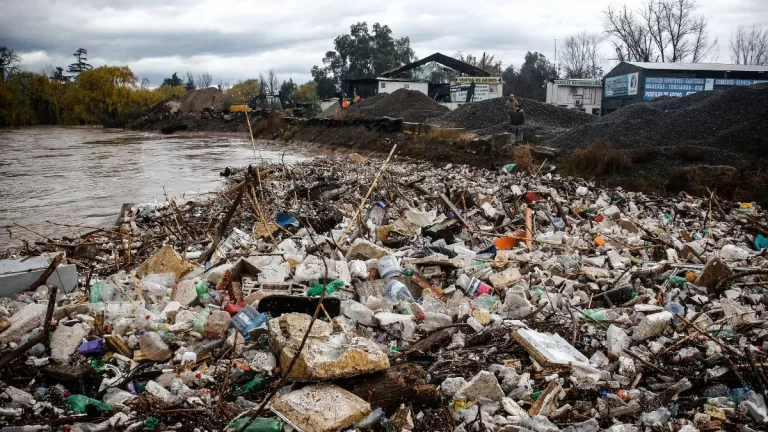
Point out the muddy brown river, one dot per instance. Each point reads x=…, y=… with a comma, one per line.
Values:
x=84, y=175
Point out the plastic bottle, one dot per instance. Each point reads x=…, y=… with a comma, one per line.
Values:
x=153, y=347
x=396, y=291
x=257, y=425
x=248, y=319
x=677, y=280
x=96, y=296
x=330, y=288
x=675, y=308
x=389, y=267
x=376, y=214
x=79, y=403
x=198, y=323
x=358, y=312
x=473, y=287
x=253, y=385
x=435, y=320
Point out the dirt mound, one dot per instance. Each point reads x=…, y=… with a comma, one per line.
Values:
x=197, y=100
x=410, y=105
x=489, y=117
x=717, y=121
x=331, y=111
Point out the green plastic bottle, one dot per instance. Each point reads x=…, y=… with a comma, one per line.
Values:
x=258, y=425
x=96, y=293
x=151, y=423
x=332, y=287
x=77, y=403
x=198, y=323
x=677, y=280
x=252, y=385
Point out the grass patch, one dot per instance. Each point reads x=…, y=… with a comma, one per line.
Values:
x=597, y=159
x=644, y=154
x=688, y=152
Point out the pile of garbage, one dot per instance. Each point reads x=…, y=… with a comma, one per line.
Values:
x=356, y=294
x=410, y=105
x=722, y=123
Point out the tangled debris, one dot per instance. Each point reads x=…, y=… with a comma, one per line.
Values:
x=451, y=299
x=410, y=105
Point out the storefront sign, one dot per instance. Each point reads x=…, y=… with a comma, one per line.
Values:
x=737, y=82
x=674, y=87
x=622, y=85
x=579, y=83
x=459, y=93
x=478, y=80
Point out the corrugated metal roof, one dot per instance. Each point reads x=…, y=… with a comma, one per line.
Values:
x=700, y=67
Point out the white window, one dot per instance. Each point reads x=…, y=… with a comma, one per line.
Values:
x=383, y=85
x=406, y=86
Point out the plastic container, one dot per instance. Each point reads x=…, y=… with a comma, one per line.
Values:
x=330, y=288
x=389, y=267
x=473, y=287
x=396, y=291
x=198, y=323
x=258, y=425
x=248, y=320
x=376, y=213
x=79, y=404
x=96, y=295
x=253, y=385
x=153, y=347
x=93, y=347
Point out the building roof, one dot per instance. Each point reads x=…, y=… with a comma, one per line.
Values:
x=700, y=66
x=444, y=60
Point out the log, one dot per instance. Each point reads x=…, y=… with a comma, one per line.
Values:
x=402, y=384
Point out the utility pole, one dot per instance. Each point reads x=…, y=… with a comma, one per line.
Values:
x=553, y=78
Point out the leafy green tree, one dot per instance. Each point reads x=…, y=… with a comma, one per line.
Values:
x=244, y=91
x=326, y=86
x=306, y=94
x=190, y=84
x=530, y=81
x=173, y=81
x=80, y=65
x=363, y=54
x=286, y=88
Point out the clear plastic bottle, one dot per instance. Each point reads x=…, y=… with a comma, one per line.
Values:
x=376, y=214
x=153, y=347
x=435, y=320
x=473, y=287
x=396, y=291
x=358, y=312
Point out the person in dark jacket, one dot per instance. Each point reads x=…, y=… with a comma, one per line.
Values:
x=516, y=118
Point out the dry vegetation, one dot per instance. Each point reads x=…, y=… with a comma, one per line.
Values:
x=597, y=159
x=523, y=157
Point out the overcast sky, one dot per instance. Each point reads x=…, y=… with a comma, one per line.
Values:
x=236, y=40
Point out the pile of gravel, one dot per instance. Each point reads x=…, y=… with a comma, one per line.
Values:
x=547, y=116
x=732, y=120
x=197, y=100
x=410, y=105
x=489, y=117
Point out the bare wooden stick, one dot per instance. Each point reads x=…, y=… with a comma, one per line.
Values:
x=223, y=227
x=365, y=198
x=47, y=273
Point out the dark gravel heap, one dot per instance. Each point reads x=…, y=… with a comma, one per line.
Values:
x=410, y=105
x=477, y=115
x=733, y=120
x=489, y=117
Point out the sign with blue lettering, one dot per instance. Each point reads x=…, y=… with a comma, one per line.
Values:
x=669, y=86
x=622, y=85
x=737, y=82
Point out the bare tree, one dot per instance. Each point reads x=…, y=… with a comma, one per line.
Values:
x=144, y=83
x=204, y=80
x=273, y=83
x=749, y=46
x=579, y=56
x=190, y=84
x=662, y=30
x=9, y=63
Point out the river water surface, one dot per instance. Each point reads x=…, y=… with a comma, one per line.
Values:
x=83, y=176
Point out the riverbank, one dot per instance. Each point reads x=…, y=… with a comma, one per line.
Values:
x=83, y=175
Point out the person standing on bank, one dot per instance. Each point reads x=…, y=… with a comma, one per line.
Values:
x=516, y=117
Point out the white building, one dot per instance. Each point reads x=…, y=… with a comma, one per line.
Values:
x=389, y=85
x=581, y=94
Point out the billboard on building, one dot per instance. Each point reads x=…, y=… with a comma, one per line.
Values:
x=459, y=93
x=679, y=87
x=579, y=82
x=478, y=80
x=622, y=85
